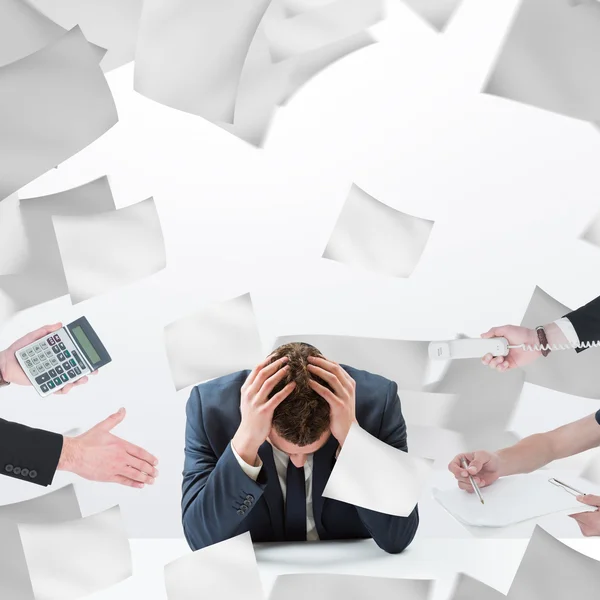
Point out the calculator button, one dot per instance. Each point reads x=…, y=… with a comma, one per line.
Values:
x=44, y=345
x=44, y=388
x=30, y=352
x=24, y=355
x=60, y=356
x=51, y=384
x=77, y=370
x=49, y=353
x=42, y=378
x=35, y=360
x=73, y=363
x=66, y=366
x=53, y=361
x=67, y=353
x=64, y=377
x=59, y=370
x=28, y=363
x=56, y=349
x=62, y=346
x=57, y=338
x=47, y=365
x=52, y=373
x=51, y=341
x=57, y=381
x=37, y=348
x=71, y=374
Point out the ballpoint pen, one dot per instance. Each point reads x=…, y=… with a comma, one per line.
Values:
x=465, y=466
x=565, y=486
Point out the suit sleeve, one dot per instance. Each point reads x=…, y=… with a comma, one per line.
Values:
x=29, y=454
x=392, y=534
x=586, y=321
x=217, y=494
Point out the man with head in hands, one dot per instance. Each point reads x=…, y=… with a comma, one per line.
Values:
x=34, y=455
x=261, y=444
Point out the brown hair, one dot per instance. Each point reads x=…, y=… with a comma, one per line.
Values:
x=303, y=416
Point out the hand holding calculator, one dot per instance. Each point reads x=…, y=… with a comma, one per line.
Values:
x=62, y=357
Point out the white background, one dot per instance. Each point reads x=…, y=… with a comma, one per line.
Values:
x=510, y=189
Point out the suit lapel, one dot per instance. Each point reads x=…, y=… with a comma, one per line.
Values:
x=322, y=465
x=272, y=492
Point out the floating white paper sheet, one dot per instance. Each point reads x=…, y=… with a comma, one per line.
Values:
x=592, y=233
x=136, y=248
x=111, y=24
x=324, y=586
x=60, y=505
x=71, y=559
x=224, y=570
x=393, y=488
x=426, y=408
x=468, y=588
x=550, y=58
x=215, y=341
x=435, y=443
x=190, y=55
x=373, y=236
x=13, y=244
x=510, y=500
x=591, y=471
x=24, y=30
x=53, y=103
x=321, y=26
x=436, y=12
x=550, y=570
x=404, y=362
x=40, y=276
x=565, y=371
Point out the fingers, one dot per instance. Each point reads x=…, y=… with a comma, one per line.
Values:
x=65, y=390
x=250, y=379
x=590, y=500
x=265, y=373
x=269, y=385
x=466, y=486
x=326, y=394
x=140, y=475
x=588, y=523
x=280, y=396
x=334, y=369
x=121, y=480
x=329, y=377
x=112, y=421
x=455, y=466
x=142, y=455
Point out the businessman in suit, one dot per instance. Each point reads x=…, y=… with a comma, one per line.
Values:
x=34, y=455
x=536, y=451
x=261, y=444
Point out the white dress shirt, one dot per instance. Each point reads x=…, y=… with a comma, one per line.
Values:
x=281, y=463
x=568, y=331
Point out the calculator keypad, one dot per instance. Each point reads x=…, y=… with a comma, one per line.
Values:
x=52, y=362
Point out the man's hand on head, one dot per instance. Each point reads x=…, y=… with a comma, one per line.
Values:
x=342, y=400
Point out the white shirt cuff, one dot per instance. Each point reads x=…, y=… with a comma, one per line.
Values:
x=251, y=471
x=568, y=330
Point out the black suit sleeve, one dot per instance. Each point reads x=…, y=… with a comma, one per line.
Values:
x=392, y=534
x=29, y=454
x=586, y=321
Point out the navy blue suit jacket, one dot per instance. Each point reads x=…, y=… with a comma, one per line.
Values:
x=215, y=487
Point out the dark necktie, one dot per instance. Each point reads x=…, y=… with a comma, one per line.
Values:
x=295, y=504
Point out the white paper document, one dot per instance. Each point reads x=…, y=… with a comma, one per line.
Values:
x=225, y=570
x=215, y=341
x=468, y=588
x=564, y=371
x=373, y=236
x=393, y=488
x=324, y=586
x=71, y=559
x=592, y=232
x=13, y=243
x=550, y=58
x=136, y=248
x=53, y=103
x=436, y=12
x=510, y=500
x=551, y=570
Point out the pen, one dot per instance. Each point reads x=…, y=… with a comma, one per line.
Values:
x=465, y=466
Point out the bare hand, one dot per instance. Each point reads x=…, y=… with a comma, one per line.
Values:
x=342, y=401
x=98, y=455
x=11, y=369
x=257, y=408
x=589, y=522
x=517, y=357
x=483, y=467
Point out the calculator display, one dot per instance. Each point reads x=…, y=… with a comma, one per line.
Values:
x=85, y=344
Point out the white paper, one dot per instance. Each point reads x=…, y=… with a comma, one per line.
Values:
x=550, y=570
x=71, y=559
x=427, y=408
x=190, y=55
x=53, y=103
x=564, y=371
x=322, y=26
x=58, y=506
x=550, y=58
x=467, y=588
x=393, y=488
x=436, y=12
x=111, y=24
x=225, y=570
x=404, y=362
x=24, y=30
x=373, y=236
x=510, y=500
x=592, y=232
x=324, y=586
x=136, y=249
x=215, y=341
x=435, y=443
x=13, y=243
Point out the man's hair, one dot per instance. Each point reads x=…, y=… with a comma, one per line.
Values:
x=303, y=416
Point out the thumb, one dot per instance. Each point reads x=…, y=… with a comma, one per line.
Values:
x=478, y=462
x=590, y=500
x=494, y=332
x=112, y=421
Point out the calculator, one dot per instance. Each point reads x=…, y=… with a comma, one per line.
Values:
x=63, y=357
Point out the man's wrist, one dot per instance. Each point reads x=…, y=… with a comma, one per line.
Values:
x=503, y=464
x=246, y=447
x=68, y=455
x=3, y=376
